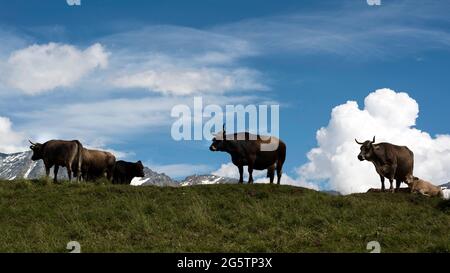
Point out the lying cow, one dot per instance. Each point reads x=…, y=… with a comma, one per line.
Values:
x=97, y=164
x=423, y=187
x=59, y=153
x=247, y=150
x=124, y=171
x=390, y=161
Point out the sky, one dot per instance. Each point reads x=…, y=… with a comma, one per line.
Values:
x=109, y=72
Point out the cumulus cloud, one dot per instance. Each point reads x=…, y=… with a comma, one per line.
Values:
x=389, y=115
x=230, y=170
x=10, y=140
x=40, y=68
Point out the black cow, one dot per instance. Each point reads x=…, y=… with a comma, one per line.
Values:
x=124, y=171
x=390, y=161
x=248, y=150
x=59, y=153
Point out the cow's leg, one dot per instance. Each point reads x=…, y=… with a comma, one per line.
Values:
x=69, y=172
x=251, y=163
x=391, y=188
x=250, y=172
x=47, y=171
x=383, y=187
x=398, y=184
x=55, y=173
x=271, y=173
x=241, y=174
x=279, y=172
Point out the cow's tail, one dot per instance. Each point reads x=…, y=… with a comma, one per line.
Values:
x=281, y=153
x=79, y=159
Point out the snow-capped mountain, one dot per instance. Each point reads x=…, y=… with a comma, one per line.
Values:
x=20, y=165
x=152, y=178
x=206, y=180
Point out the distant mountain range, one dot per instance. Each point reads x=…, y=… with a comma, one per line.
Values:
x=20, y=165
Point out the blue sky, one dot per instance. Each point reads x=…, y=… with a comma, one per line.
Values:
x=308, y=56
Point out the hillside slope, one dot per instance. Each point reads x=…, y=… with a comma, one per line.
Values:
x=37, y=216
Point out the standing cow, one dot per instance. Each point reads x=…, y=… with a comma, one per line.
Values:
x=97, y=164
x=246, y=150
x=124, y=171
x=390, y=161
x=59, y=153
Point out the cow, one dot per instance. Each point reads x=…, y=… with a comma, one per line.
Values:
x=390, y=161
x=59, y=153
x=246, y=150
x=95, y=164
x=124, y=171
x=423, y=187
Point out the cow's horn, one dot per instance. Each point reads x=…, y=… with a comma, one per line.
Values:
x=360, y=143
x=32, y=143
x=373, y=140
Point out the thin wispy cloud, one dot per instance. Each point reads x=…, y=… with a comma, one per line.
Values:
x=362, y=33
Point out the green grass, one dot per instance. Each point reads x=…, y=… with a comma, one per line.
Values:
x=39, y=216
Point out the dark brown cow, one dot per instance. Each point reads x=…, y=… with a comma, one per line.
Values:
x=124, y=171
x=59, y=153
x=96, y=164
x=390, y=161
x=246, y=150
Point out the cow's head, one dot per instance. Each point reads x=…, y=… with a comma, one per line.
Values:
x=139, y=169
x=218, y=144
x=367, y=148
x=37, y=151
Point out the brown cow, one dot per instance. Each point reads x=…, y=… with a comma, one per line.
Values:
x=423, y=187
x=390, y=161
x=59, y=153
x=96, y=164
x=246, y=150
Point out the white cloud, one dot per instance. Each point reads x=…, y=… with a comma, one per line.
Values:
x=191, y=80
x=10, y=140
x=181, y=61
x=111, y=119
x=40, y=68
x=230, y=170
x=391, y=117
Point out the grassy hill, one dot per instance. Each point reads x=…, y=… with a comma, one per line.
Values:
x=38, y=216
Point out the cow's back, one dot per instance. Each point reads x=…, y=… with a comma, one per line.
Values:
x=267, y=150
x=98, y=158
x=121, y=172
x=405, y=160
x=59, y=152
